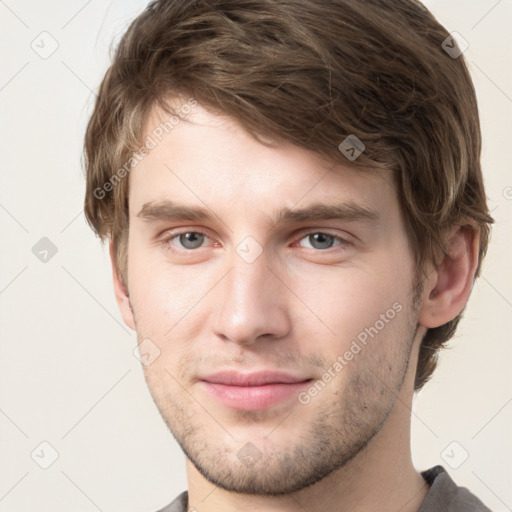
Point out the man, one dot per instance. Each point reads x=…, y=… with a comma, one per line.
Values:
x=295, y=207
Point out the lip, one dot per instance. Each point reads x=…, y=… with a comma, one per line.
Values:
x=252, y=391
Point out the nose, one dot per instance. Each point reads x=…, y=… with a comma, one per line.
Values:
x=253, y=304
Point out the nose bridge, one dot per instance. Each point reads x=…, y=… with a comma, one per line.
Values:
x=250, y=282
x=251, y=305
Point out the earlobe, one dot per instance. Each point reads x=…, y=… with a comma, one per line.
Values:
x=449, y=287
x=121, y=290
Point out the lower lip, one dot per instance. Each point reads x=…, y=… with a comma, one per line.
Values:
x=252, y=398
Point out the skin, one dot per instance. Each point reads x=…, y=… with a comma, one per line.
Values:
x=297, y=307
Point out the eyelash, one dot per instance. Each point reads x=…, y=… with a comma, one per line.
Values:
x=165, y=243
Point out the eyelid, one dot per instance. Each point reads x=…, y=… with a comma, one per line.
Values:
x=343, y=241
x=164, y=240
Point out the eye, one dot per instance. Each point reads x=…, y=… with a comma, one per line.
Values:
x=191, y=240
x=322, y=241
x=188, y=240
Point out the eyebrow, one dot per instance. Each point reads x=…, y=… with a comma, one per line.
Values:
x=351, y=212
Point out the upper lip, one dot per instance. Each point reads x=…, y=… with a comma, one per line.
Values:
x=233, y=378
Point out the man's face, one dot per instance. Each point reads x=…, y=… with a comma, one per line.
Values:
x=326, y=302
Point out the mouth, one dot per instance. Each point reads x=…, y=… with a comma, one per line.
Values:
x=252, y=391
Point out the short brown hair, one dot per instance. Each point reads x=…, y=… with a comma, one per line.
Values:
x=310, y=72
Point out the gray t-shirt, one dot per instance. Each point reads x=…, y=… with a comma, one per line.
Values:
x=444, y=496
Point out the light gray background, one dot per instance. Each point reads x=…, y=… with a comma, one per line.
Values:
x=68, y=375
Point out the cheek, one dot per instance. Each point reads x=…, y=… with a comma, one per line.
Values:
x=344, y=302
x=164, y=296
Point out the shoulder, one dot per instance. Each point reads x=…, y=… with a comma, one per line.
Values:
x=446, y=496
x=179, y=504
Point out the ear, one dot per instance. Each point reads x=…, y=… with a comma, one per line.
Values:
x=121, y=291
x=449, y=285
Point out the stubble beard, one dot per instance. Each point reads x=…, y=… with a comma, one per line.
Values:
x=341, y=425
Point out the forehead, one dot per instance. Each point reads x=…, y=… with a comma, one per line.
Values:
x=202, y=157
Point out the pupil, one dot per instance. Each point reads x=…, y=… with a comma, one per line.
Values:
x=191, y=240
x=325, y=241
